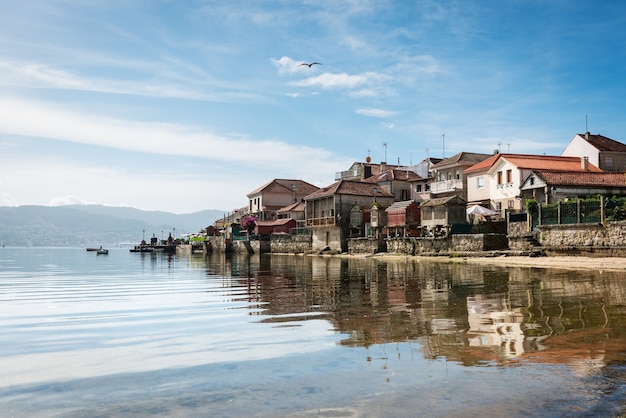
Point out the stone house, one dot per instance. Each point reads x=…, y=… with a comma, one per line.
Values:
x=495, y=182
x=549, y=186
x=396, y=181
x=265, y=201
x=332, y=212
x=360, y=171
x=606, y=153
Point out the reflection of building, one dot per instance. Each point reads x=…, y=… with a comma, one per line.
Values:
x=492, y=323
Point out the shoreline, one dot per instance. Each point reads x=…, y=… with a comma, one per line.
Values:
x=575, y=262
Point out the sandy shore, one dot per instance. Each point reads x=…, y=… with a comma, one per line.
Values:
x=561, y=262
x=565, y=262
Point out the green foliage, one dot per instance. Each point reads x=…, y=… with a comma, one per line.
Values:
x=615, y=209
x=532, y=207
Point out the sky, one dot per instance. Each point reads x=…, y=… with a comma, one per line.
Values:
x=186, y=105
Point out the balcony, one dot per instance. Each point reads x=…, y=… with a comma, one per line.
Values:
x=446, y=186
x=329, y=220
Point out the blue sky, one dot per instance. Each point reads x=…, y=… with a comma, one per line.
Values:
x=189, y=105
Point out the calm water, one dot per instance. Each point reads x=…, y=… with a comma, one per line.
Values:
x=155, y=335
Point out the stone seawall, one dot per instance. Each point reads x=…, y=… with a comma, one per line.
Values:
x=366, y=246
x=609, y=235
x=461, y=243
x=590, y=240
x=291, y=244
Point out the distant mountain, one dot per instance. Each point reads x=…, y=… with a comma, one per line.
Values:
x=89, y=225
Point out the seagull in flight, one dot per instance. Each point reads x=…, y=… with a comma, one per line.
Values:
x=311, y=64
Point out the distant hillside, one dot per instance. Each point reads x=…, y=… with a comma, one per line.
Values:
x=87, y=225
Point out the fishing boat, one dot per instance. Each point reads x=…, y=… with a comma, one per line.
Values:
x=102, y=251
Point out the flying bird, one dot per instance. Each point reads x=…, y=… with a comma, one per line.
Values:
x=313, y=63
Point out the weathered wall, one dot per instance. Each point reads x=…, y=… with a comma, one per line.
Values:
x=324, y=237
x=449, y=244
x=366, y=246
x=291, y=244
x=219, y=244
x=612, y=234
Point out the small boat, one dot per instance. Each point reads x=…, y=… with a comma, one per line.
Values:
x=102, y=251
x=93, y=249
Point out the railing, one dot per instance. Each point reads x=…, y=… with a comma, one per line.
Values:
x=329, y=220
x=446, y=186
x=597, y=210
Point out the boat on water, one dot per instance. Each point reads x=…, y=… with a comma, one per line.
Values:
x=93, y=248
x=102, y=251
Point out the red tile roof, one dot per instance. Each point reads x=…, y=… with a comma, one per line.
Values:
x=462, y=158
x=349, y=187
x=394, y=174
x=602, y=143
x=568, y=178
x=302, y=187
x=532, y=162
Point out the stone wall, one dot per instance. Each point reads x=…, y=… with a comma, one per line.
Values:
x=611, y=234
x=366, y=246
x=458, y=243
x=291, y=244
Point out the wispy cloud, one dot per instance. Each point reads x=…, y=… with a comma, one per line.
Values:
x=156, y=138
x=341, y=80
x=376, y=113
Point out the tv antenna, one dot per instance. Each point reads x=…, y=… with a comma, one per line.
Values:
x=385, y=145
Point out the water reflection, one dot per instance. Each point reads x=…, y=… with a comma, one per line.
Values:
x=466, y=313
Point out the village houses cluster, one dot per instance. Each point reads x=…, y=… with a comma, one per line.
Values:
x=432, y=197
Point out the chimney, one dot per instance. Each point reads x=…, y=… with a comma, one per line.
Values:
x=587, y=135
x=383, y=167
x=584, y=162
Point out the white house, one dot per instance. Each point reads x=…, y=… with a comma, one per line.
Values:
x=605, y=153
x=495, y=183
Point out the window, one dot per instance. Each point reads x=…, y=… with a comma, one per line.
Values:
x=418, y=188
x=532, y=180
x=499, y=177
x=608, y=163
x=427, y=187
x=509, y=176
x=498, y=206
x=480, y=182
x=457, y=175
x=510, y=204
x=404, y=194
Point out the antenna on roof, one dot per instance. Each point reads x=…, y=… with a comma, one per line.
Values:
x=586, y=127
x=385, y=145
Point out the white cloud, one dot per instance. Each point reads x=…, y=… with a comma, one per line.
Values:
x=286, y=65
x=376, y=113
x=157, y=138
x=7, y=199
x=68, y=200
x=341, y=81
